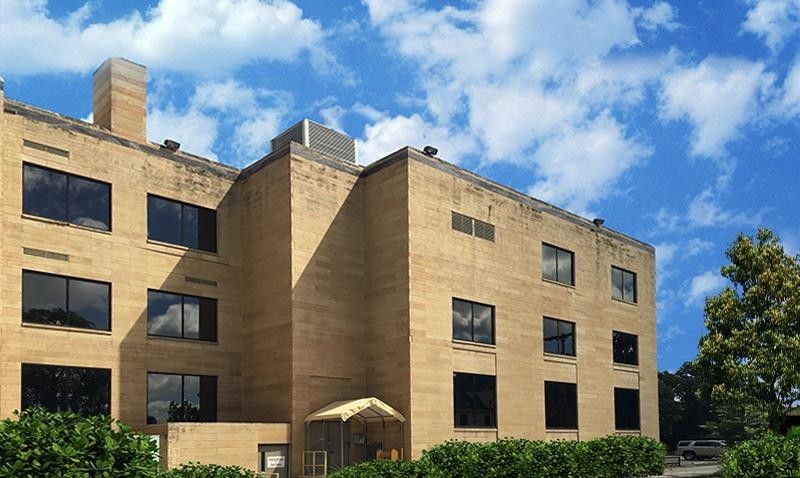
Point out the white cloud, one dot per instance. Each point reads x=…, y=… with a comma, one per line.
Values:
x=195, y=130
x=658, y=15
x=389, y=134
x=773, y=20
x=581, y=165
x=541, y=98
x=790, y=101
x=718, y=97
x=205, y=37
x=668, y=253
x=703, y=285
x=705, y=211
x=672, y=332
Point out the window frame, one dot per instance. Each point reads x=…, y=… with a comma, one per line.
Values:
x=625, y=420
x=181, y=221
x=472, y=304
x=66, y=285
x=67, y=197
x=199, y=338
x=574, y=337
x=573, y=389
x=22, y=385
x=572, y=264
x=623, y=272
x=474, y=377
x=183, y=391
x=616, y=354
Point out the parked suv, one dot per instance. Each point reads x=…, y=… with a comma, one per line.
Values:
x=691, y=449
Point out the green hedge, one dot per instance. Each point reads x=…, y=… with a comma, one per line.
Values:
x=608, y=457
x=197, y=470
x=42, y=444
x=767, y=456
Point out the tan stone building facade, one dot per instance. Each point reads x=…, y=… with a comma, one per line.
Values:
x=220, y=308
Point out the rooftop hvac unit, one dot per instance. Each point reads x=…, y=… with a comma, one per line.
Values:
x=319, y=138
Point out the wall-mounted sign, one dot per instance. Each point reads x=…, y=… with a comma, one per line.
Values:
x=276, y=461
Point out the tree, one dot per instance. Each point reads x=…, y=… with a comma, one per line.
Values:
x=682, y=412
x=751, y=352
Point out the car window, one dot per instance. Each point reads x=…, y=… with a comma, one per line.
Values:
x=683, y=443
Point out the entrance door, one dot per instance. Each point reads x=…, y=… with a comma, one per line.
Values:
x=274, y=460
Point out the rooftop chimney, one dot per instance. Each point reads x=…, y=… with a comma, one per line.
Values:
x=120, y=98
x=2, y=108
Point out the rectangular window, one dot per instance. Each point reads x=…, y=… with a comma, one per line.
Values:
x=561, y=405
x=626, y=348
x=472, y=226
x=181, y=398
x=557, y=264
x=182, y=316
x=559, y=337
x=65, y=301
x=626, y=409
x=66, y=197
x=180, y=223
x=623, y=284
x=85, y=391
x=474, y=400
x=473, y=321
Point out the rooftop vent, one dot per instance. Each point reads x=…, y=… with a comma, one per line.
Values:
x=320, y=138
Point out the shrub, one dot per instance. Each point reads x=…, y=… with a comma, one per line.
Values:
x=608, y=457
x=382, y=469
x=767, y=456
x=197, y=470
x=43, y=444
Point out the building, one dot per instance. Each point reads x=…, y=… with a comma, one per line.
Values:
x=240, y=305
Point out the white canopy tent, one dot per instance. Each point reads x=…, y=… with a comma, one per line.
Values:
x=364, y=410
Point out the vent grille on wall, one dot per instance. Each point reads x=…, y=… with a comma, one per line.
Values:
x=472, y=226
x=320, y=138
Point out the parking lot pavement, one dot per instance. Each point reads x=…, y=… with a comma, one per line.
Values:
x=703, y=469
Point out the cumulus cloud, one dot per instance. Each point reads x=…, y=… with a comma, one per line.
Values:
x=167, y=36
x=253, y=117
x=773, y=20
x=717, y=97
x=705, y=211
x=656, y=16
x=703, y=285
x=542, y=98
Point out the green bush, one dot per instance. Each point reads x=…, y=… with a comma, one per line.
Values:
x=197, y=470
x=767, y=456
x=43, y=444
x=608, y=457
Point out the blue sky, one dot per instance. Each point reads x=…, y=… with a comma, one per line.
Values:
x=676, y=121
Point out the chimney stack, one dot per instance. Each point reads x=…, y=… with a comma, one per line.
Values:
x=120, y=98
x=2, y=110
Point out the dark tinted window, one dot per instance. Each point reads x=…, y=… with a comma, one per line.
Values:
x=623, y=284
x=185, y=316
x=474, y=400
x=473, y=321
x=557, y=264
x=86, y=391
x=626, y=348
x=626, y=409
x=56, y=300
x=179, y=223
x=561, y=405
x=66, y=197
x=559, y=337
x=181, y=398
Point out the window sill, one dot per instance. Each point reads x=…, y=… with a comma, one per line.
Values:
x=628, y=432
x=625, y=367
x=64, y=224
x=555, y=282
x=561, y=430
x=474, y=346
x=182, y=340
x=558, y=358
x=474, y=430
x=177, y=249
x=64, y=328
x=625, y=301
